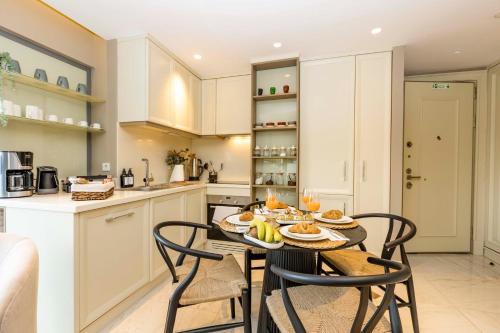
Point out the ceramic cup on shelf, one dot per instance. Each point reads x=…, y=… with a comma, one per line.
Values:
x=286, y=88
x=81, y=88
x=31, y=111
x=52, y=117
x=62, y=81
x=260, y=91
x=41, y=74
x=16, y=110
x=83, y=123
x=96, y=125
x=68, y=121
x=272, y=90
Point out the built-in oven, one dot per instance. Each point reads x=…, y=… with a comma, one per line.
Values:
x=220, y=206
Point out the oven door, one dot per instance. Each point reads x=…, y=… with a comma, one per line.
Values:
x=215, y=213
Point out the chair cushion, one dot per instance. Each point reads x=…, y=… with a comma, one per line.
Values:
x=321, y=309
x=352, y=262
x=215, y=280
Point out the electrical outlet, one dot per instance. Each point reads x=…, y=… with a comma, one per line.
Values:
x=106, y=166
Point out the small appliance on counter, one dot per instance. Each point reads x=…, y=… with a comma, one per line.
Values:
x=195, y=168
x=16, y=175
x=46, y=180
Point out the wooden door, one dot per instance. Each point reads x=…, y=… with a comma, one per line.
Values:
x=439, y=121
x=233, y=105
x=327, y=124
x=373, y=142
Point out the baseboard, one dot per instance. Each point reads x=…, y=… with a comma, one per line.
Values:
x=492, y=255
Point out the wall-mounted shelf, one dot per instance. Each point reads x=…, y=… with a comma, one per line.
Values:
x=275, y=186
x=55, y=124
x=274, y=97
x=275, y=157
x=265, y=129
x=49, y=87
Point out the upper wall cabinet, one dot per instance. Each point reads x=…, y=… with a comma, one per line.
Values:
x=208, y=106
x=233, y=105
x=153, y=87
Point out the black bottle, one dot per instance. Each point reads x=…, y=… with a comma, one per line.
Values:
x=130, y=177
x=123, y=179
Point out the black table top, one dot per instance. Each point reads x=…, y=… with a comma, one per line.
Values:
x=355, y=235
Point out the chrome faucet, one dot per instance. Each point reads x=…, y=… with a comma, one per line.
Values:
x=147, y=179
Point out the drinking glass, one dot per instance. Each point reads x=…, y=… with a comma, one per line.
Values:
x=306, y=196
x=271, y=199
x=313, y=204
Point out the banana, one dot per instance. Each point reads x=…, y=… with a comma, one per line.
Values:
x=254, y=222
x=261, y=230
x=277, y=236
x=269, y=233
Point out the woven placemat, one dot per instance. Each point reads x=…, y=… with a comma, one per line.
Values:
x=318, y=245
x=351, y=225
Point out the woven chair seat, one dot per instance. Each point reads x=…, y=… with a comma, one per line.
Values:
x=258, y=250
x=321, y=309
x=214, y=281
x=352, y=262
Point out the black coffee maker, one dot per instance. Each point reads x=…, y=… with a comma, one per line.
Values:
x=46, y=180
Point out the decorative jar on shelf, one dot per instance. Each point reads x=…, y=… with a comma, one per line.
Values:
x=292, y=179
x=292, y=151
x=257, y=151
x=275, y=152
x=282, y=151
x=268, y=178
x=279, y=178
x=265, y=151
x=259, y=178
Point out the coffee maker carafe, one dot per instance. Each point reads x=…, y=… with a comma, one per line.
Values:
x=46, y=180
x=16, y=175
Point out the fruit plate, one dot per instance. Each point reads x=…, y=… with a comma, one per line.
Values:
x=264, y=244
x=235, y=219
x=344, y=220
x=304, y=237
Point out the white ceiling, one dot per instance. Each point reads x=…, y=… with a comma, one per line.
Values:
x=230, y=33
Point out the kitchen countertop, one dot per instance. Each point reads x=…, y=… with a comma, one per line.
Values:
x=61, y=202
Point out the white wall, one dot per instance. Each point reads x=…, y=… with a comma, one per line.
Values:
x=234, y=152
x=135, y=143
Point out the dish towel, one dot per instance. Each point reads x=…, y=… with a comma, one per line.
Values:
x=222, y=212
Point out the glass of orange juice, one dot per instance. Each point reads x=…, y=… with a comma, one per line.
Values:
x=313, y=203
x=306, y=197
x=271, y=199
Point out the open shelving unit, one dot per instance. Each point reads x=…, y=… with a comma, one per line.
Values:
x=48, y=87
x=273, y=108
x=55, y=124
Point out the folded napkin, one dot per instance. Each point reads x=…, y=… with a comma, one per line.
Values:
x=92, y=187
x=336, y=236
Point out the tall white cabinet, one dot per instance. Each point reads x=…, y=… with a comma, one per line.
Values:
x=345, y=135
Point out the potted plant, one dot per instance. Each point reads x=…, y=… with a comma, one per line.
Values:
x=176, y=160
x=5, y=65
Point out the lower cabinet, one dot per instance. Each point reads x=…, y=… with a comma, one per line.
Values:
x=196, y=212
x=114, y=257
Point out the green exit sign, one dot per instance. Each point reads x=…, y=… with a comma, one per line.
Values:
x=439, y=85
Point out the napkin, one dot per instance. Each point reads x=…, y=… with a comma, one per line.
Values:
x=336, y=236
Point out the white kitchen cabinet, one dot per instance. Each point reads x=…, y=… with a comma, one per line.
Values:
x=166, y=208
x=208, y=106
x=327, y=124
x=114, y=257
x=196, y=212
x=373, y=138
x=233, y=105
x=153, y=87
x=333, y=201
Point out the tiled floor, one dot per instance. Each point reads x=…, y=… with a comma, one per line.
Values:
x=455, y=293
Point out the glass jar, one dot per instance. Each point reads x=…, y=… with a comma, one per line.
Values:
x=259, y=178
x=292, y=151
x=257, y=151
x=268, y=178
x=266, y=152
x=279, y=178
x=282, y=151
x=275, y=152
x=292, y=179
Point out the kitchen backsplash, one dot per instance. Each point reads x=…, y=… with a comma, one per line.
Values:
x=233, y=152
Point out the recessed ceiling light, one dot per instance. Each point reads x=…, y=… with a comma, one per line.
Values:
x=376, y=31
x=277, y=45
x=197, y=56
x=287, y=75
x=457, y=52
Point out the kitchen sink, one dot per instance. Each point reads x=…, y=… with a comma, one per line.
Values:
x=157, y=187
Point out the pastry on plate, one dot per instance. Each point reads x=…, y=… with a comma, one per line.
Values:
x=333, y=214
x=282, y=205
x=246, y=217
x=304, y=228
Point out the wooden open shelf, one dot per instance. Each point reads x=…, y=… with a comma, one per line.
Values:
x=49, y=87
x=264, y=129
x=274, y=97
x=275, y=158
x=275, y=186
x=54, y=124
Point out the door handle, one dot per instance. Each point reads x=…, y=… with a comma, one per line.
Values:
x=116, y=217
x=409, y=177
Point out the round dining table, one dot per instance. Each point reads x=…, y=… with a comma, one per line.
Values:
x=293, y=258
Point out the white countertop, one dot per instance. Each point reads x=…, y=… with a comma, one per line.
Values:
x=61, y=202
x=218, y=185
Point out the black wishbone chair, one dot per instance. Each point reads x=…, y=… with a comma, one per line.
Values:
x=324, y=304
x=253, y=253
x=209, y=277
x=353, y=262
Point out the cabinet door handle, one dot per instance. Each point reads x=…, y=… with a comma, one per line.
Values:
x=363, y=172
x=116, y=217
x=345, y=171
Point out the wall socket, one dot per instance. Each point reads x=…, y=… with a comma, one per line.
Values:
x=106, y=166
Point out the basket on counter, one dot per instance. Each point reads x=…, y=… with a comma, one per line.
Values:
x=92, y=191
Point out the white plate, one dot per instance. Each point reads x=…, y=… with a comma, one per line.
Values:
x=344, y=220
x=264, y=244
x=235, y=219
x=305, y=237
